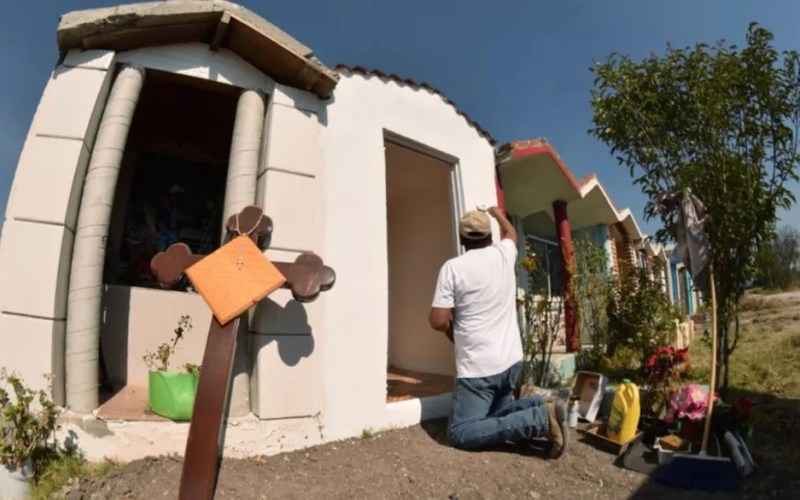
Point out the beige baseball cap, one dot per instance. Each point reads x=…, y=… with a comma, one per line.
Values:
x=475, y=225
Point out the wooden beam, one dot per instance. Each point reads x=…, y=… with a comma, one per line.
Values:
x=222, y=28
x=276, y=60
x=135, y=38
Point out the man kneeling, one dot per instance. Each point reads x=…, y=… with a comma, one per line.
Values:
x=475, y=305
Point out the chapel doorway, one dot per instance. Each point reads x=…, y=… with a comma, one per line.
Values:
x=171, y=188
x=421, y=213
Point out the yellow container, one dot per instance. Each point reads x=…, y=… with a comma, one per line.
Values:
x=624, y=418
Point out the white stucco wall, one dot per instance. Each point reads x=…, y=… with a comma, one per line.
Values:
x=36, y=245
x=354, y=339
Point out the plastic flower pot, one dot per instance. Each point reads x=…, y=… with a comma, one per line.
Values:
x=15, y=482
x=171, y=394
x=653, y=429
x=692, y=430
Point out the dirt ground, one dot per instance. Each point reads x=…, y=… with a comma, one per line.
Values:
x=414, y=462
x=408, y=463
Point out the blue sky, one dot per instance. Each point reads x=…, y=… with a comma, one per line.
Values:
x=518, y=67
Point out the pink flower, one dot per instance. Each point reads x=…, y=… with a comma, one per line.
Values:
x=689, y=402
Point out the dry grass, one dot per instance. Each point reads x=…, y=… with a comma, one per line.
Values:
x=60, y=470
x=765, y=367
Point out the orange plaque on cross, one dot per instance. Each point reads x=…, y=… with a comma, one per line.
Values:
x=234, y=278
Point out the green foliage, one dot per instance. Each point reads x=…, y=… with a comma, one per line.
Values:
x=541, y=322
x=27, y=421
x=367, y=433
x=721, y=121
x=778, y=261
x=159, y=360
x=640, y=315
x=593, y=286
x=191, y=368
x=57, y=468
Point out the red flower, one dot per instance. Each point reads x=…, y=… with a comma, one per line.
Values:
x=744, y=405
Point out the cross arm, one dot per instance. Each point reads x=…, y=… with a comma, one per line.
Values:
x=306, y=277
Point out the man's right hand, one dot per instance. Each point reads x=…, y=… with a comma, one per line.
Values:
x=497, y=212
x=506, y=228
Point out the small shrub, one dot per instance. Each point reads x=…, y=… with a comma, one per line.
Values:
x=159, y=360
x=367, y=434
x=27, y=421
x=540, y=326
x=640, y=315
x=593, y=286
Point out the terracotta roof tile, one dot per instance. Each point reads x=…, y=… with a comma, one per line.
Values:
x=361, y=70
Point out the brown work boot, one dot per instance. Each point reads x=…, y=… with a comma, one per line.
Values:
x=559, y=431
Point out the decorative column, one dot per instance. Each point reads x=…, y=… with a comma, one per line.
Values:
x=567, y=264
x=88, y=258
x=240, y=191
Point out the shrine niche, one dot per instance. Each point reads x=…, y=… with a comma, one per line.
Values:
x=171, y=184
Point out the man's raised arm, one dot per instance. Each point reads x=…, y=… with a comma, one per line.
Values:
x=507, y=229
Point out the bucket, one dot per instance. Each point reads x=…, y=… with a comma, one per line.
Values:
x=171, y=394
x=15, y=483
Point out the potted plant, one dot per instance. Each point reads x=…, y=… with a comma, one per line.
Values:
x=735, y=417
x=171, y=394
x=687, y=408
x=27, y=421
x=662, y=371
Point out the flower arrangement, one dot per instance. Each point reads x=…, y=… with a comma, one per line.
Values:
x=662, y=370
x=688, y=403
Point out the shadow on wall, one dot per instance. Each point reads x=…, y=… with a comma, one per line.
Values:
x=288, y=327
x=114, y=338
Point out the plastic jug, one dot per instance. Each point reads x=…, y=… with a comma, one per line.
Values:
x=624, y=418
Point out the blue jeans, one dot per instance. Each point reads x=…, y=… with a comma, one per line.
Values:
x=484, y=413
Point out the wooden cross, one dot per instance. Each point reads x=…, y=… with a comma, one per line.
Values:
x=306, y=277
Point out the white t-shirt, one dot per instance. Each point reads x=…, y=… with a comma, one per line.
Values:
x=481, y=287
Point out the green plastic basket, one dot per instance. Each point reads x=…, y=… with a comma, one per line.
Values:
x=172, y=394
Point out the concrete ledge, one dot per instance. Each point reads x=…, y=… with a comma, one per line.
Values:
x=125, y=441
x=413, y=411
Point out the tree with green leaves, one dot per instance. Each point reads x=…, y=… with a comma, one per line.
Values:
x=721, y=121
x=777, y=262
